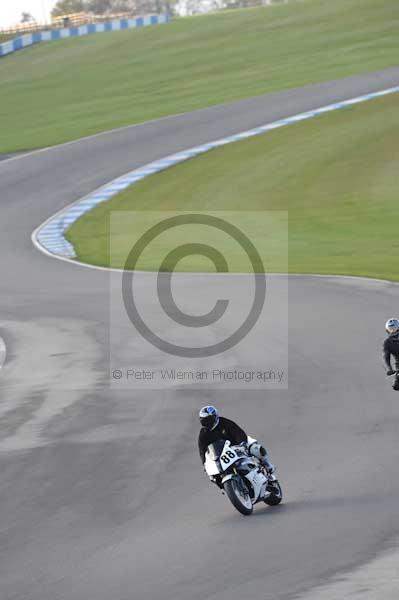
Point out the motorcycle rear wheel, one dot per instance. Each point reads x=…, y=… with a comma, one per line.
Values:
x=239, y=500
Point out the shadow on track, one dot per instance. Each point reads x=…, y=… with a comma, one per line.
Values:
x=331, y=503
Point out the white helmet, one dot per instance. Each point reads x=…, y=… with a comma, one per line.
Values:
x=209, y=417
x=392, y=326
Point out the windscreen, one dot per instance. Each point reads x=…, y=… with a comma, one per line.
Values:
x=216, y=448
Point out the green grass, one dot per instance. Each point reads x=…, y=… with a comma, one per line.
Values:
x=336, y=175
x=62, y=90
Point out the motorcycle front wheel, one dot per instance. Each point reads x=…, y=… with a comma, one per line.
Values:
x=238, y=495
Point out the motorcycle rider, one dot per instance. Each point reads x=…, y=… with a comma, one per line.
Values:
x=215, y=428
x=391, y=348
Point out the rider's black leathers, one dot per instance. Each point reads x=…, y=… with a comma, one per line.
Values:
x=225, y=430
x=391, y=348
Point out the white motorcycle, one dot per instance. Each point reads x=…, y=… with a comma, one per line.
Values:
x=243, y=477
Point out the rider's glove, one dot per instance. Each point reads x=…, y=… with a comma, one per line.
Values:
x=390, y=372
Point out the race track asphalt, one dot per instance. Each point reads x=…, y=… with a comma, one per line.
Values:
x=102, y=495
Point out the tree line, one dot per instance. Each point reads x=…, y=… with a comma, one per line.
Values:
x=173, y=7
x=101, y=7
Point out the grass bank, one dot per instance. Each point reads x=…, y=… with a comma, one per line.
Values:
x=58, y=91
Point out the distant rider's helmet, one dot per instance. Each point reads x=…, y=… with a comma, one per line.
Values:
x=209, y=417
x=392, y=326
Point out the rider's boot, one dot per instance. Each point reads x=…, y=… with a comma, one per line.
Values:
x=270, y=467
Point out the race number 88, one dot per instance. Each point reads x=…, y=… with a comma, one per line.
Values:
x=226, y=458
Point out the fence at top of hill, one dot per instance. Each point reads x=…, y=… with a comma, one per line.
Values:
x=60, y=22
x=56, y=34
x=63, y=21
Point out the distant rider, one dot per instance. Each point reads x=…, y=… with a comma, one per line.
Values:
x=215, y=428
x=391, y=348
